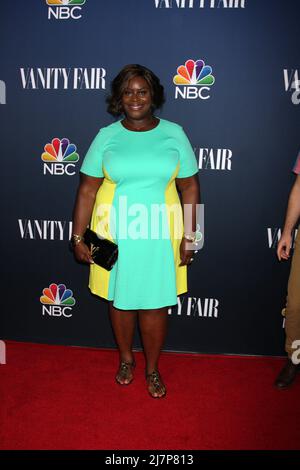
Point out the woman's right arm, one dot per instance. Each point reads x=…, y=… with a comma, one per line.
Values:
x=84, y=203
x=292, y=216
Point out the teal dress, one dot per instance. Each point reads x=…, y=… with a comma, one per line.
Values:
x=138, y=207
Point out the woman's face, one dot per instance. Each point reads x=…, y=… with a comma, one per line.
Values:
x=136, y=99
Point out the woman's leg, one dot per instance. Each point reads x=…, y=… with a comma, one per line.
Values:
x=123, y=324
x=153, y=327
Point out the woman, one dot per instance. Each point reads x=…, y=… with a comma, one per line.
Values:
x=133, y=165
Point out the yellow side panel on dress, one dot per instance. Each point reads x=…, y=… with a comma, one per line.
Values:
x=99, y=277
x=175, y=221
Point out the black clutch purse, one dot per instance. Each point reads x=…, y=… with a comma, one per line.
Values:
x=103, y=251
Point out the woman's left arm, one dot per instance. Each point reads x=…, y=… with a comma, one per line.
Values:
x=189, y=189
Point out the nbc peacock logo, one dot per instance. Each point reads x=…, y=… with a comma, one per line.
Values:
x=65, y=2
x=57, y=301
x=64, y=9
x=60, y=157
x=193, y=80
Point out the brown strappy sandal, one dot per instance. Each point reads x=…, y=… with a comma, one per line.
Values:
x=155, y=381
x=124, y=372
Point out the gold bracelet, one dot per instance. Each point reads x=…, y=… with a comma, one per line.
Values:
x=189, y=237
x=76, y=239
x=196, y=237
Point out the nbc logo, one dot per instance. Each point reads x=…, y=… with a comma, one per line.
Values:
x=59, y=157
x=64, y=9
x=193, y=80
x=57, y=301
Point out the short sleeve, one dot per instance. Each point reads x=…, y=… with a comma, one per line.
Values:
x=296, y=168
x=188, y=164
x=92, y=162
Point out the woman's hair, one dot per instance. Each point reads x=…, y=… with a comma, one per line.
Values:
x=120, y=82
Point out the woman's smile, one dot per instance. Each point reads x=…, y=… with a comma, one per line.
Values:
x=135, y=107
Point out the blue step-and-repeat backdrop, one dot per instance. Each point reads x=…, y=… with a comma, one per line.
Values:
x=57, y=62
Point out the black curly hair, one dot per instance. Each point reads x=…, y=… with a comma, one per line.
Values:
x=119, y=84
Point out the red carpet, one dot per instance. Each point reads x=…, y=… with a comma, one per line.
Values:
x=56, y=397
